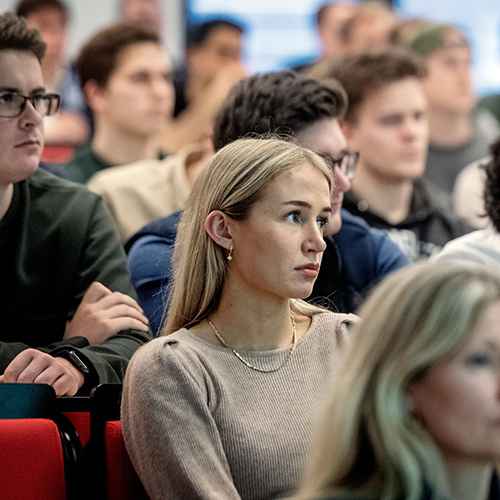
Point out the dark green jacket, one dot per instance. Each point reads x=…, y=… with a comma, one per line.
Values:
x=55, y=240
x=83, y=166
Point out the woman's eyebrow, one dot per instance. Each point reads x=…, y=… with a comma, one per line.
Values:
x=305, y=204
x=299, y=203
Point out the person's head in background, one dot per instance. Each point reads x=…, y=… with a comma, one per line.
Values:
x=145, y=13
x=50, y=18
x=403, y=32
x=211, y=47
x=288, y=103
x=448, y=84
x=416, y=401
x=386, y=120
x=21, y=119
x=126, y=77
x=492, y=186
x=368, y=27
x=329, y=19
x=240, y=235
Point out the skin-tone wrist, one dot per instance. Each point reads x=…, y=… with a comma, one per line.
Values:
x=77, y=374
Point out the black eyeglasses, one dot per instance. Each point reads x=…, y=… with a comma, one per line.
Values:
x=12, y=105
x=347, y=162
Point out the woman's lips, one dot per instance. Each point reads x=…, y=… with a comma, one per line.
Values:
x=309, y=270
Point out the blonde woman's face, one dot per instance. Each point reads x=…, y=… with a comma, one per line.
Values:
x=458, y=401
x=278, y=248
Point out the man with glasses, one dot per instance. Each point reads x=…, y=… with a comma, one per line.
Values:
x=69, y=318
x=284, y=103
x=387, y=123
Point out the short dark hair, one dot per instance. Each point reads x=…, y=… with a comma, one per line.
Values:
x=492, y=186
x=363, y=73
x=15, y=35
x=198, y=33
x=26, y=7
x=364, y=11
x=276, y=103
x=98, y=57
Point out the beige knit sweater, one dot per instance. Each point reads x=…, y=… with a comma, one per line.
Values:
x=199, y=424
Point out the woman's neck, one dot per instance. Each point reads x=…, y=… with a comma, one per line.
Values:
x=468, y=480
x=251, y=321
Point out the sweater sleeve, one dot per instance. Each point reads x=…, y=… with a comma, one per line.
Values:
x=103, y=258
x=168, y=427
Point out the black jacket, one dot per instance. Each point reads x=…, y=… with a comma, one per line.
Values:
x=429, y=226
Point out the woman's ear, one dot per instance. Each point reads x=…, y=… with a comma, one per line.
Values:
x=217, y=226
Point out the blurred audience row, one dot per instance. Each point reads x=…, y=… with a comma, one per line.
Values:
x=382, y=158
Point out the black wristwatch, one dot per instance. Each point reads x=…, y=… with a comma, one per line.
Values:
x=75, y=360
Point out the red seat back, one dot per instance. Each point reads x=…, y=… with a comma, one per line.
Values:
x=122, y=480
x=81, y=421
x=31, y=458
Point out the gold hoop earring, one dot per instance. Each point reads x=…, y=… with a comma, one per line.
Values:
x=230, y=254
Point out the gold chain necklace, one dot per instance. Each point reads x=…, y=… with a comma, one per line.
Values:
x=244, y=361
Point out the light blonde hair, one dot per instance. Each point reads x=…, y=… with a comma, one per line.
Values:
x=233, y=182
x=369, y=446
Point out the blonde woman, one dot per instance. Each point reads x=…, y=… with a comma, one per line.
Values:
x=415, y=410
x=223, y=406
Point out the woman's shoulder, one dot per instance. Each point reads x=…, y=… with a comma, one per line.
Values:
x=332, y=325
x=176, y=349
x=337, y=320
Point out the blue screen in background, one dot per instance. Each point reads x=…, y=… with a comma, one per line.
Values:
x=282, y=33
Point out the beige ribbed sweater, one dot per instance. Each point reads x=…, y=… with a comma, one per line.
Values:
x=199, y=424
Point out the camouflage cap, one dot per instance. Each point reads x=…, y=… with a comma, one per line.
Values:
x=438, y=37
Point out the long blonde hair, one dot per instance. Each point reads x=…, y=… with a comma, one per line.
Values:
x=369, y=446
x=233, y=182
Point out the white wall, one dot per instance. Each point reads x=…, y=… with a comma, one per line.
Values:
x=88, y=16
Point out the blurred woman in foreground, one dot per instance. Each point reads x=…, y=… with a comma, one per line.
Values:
x=415, y=409
x=223, y=407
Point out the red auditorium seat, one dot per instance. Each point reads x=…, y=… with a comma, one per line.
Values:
x=122, y=480
x=32, y=460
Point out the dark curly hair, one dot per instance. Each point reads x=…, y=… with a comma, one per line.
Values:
x=15, y=35
x=282, y=103
x=492, y=186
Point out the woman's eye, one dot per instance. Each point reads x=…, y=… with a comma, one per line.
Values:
x=293, y=217
x=322, y=222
